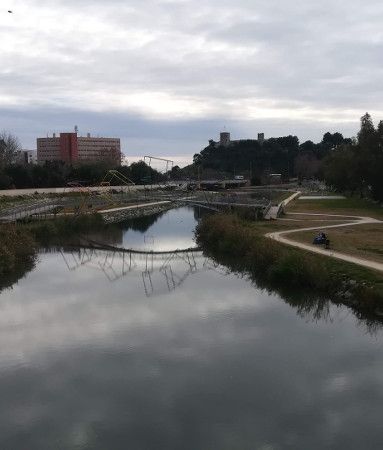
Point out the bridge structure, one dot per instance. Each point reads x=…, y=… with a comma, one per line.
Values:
x=117, y=203
x=222, y=201
x=45, y=209
x=220, y=205
x=219, y=184
x=23, y=211
x=167, y=163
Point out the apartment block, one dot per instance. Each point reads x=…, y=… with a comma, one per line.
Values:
x=74, y=149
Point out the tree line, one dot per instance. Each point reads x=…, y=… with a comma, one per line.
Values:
x=357, y=166
x=60, y=174
x=14, y=175
x=283, y=155
x=351, y=165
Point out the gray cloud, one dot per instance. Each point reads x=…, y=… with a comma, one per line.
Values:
x=183, y=69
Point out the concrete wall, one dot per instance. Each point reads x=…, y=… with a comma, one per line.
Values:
x=142, y=211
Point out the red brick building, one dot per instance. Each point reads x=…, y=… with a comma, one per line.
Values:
x=73, y=149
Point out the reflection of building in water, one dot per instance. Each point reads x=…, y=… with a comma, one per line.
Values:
x=160, y=272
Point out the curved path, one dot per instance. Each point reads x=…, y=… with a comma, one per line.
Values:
x=280, y=236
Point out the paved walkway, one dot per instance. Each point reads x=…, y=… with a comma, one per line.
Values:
x=24, y=211
x=280, y=236
x=274, y=211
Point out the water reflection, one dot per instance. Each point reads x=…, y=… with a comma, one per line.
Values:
x=20, y=271
x=159, y=271
x=160, y=248
x=167, y=231
x=214, y=363
x=141, y=224
x=164, y=231
x=89, y=364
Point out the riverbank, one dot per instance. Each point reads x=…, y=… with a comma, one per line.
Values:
x=16, y=247
x=240, y=245
x=17, y=254
x=351, y=206
x=57, y=231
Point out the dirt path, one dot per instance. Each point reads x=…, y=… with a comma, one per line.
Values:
x=280, y=236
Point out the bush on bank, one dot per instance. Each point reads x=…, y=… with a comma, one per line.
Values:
x=227, y=234
x=17, y=248
x=56, y=231
x=236, y=243
x=19, y=243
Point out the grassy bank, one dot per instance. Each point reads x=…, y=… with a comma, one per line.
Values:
x=347, y=206
x=16, y=248
x=57, y=231
x=363, y=241
x=17, y=254
x=19, y=243
x=240, y=245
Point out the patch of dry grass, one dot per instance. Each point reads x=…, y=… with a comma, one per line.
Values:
x=364, y=241
x=347, y=206
x=282, y=224
x=318, y=219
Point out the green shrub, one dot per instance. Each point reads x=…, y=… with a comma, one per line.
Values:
x=299, y=270
x=57, y=231
x=17, y=247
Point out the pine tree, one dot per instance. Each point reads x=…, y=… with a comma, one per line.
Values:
x=367, y=130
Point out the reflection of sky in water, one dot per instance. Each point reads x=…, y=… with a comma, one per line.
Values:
x=173, y=230
x=86, y=363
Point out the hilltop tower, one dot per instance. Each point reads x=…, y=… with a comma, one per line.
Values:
x=224, y=138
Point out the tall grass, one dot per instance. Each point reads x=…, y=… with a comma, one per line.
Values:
x=17, y=248
x=57, y=231
x=227, y=234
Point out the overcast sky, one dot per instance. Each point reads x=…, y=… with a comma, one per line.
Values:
x=167, y=75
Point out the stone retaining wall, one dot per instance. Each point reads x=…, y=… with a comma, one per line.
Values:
x=142, y=211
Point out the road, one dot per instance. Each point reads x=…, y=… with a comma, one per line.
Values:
x=66, y=190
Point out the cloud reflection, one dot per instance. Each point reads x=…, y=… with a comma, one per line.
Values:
x=216, y=363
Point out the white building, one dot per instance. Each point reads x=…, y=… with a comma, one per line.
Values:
x=25, y=157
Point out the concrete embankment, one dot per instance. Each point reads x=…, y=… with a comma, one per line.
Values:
x=128, y=212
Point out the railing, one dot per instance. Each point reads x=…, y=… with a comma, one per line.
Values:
x=24, y=211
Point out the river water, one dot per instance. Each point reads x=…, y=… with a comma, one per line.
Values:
x=103, y=350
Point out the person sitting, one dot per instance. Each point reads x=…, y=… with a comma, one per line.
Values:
x=321, y=238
